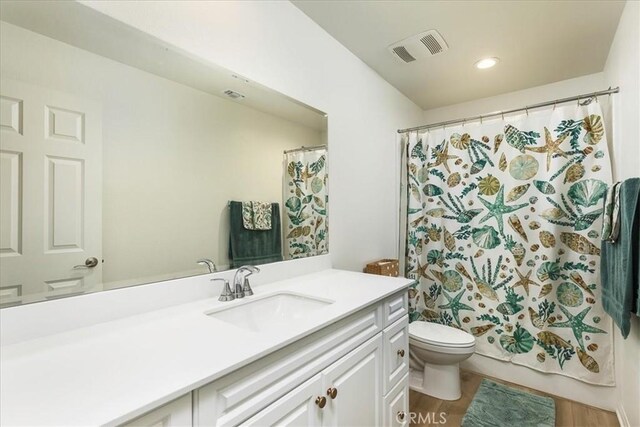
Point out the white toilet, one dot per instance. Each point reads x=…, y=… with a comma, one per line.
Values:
x=435, y=353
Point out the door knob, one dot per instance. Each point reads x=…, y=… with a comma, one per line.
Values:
x=401, y=352
x=332, y=392
x=321, y=401
x=88, y=263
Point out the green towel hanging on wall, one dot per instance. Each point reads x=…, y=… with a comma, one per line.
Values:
x=620, y=260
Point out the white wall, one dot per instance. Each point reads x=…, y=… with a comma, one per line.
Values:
x=275, y=44
x=603, y=397
x=173, y=157
x=623, y=69
x=512, y=100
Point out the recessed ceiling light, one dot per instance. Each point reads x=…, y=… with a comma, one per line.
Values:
x=487, y=63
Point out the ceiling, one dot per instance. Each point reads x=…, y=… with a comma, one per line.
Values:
x=538, y=42
x=80, y=26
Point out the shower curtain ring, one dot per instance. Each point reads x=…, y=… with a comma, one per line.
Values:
x=554, y=105
x=526, y=109
x=480, y=119
x=502, y=114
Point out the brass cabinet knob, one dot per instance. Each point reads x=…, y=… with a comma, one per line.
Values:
x=321, y=401
x=332, y=392
x=401, y=352
x=401, y=415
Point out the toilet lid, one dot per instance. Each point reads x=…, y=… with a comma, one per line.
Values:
x=435, y=333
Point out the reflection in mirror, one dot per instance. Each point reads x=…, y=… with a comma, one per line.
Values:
x=125, y=161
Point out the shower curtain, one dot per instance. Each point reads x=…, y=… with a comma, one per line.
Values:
x=502, y=236
x=306, y=202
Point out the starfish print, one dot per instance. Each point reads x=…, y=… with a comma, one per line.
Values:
x=550, y=147
x=422, y=271
x=498, y=208
x=455, y=305
x=442, y=157
x=525, y=281
x=577, y=325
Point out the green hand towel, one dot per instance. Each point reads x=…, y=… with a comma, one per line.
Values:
x=253, y=247
x=620, y=260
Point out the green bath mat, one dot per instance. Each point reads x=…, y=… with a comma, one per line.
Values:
x=496, y=405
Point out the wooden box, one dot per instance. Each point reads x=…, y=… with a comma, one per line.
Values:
x=384, y=267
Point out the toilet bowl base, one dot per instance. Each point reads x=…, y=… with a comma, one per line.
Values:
x=440, y=381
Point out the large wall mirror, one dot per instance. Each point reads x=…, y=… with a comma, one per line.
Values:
x=125, y=161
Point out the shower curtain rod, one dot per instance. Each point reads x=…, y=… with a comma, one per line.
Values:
x=316, y=147
x=587, y=96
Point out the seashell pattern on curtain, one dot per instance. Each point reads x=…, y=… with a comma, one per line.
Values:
x=503, y=223
x=306, y=202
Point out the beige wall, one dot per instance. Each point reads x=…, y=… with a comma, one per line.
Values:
x=173, y=156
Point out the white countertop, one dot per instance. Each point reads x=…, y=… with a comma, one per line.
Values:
x=112, y=372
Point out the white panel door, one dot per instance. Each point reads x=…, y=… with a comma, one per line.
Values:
x=50, y=194
x=300, y=407
x=356, y=382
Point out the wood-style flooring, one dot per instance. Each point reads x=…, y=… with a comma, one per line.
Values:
x=568, y=413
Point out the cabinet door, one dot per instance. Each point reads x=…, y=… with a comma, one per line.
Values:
x=174, y=414
x=357, y=381
x=297, y=408
x=396, y=405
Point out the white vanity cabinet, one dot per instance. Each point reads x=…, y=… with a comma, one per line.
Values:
x=352, y=373
x=340, y=363
x=177, y=413
x=300, y=407
x=346, y=393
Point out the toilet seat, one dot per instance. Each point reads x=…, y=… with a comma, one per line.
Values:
x=440, y=338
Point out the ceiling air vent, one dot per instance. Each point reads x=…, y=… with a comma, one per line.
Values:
x=419, y=46
x=403, y=54
x=233, y=94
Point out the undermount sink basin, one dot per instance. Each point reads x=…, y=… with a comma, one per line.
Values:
x=267, y=312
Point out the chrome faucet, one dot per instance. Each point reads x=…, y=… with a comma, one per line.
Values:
x=210, y=265
x=241, y=286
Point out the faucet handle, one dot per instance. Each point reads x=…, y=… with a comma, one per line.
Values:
x=246, y=288
x=226, y=294
x=249, y=270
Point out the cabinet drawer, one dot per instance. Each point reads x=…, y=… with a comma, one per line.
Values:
x=396, y=353
x=395, y=308
x=234, y=398
x=177, y=413
x=296, y=408
x=396, y=405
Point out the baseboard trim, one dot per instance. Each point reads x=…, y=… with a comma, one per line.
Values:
x=622, y=417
